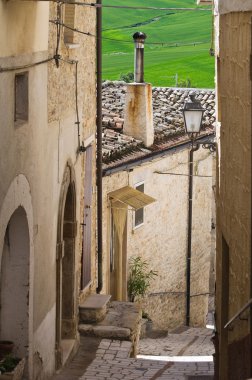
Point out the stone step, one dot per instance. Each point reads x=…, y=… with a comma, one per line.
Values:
x=122, y=322
x=106, y=332
x=94, y=308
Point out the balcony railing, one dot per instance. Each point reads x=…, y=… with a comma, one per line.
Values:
x=239, y=313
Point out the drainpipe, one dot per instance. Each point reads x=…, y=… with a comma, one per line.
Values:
x=139, y=39
x=189, y=234
x=99, y=140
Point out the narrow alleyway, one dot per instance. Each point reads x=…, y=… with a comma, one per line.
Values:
x=184, y=354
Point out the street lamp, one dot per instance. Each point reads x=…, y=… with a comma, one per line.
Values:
x=193, y=115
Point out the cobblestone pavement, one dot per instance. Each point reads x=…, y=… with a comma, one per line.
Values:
x=112, y=358
x=109, y=359
x=184, y=341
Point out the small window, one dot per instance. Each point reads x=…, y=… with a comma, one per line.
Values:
x=21, y=97
x=139, y=214
x=69, y=20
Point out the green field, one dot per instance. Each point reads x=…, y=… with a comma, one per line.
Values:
x=186, y=38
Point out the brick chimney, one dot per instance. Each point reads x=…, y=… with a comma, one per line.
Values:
x=138, y=118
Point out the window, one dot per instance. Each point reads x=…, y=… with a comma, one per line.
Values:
x=69, y=21
x=21, y=97
x=139, y=214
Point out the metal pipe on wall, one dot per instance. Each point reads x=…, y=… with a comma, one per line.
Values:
x=99, y=141
x=189, y=234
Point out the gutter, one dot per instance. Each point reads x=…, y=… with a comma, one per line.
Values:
x=99, y=142
x=153, y=155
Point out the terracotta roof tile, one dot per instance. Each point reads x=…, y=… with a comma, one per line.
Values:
x=167, y=118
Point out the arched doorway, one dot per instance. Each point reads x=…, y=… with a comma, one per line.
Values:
x=66, y=322
x=14, y=312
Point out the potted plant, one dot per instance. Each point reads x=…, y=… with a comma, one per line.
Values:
x=139, y=277
x=6, y=347
x=11, y=368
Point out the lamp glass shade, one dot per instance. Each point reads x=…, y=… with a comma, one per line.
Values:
x=193, y=120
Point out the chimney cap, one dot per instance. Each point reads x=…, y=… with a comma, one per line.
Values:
x=139, y=36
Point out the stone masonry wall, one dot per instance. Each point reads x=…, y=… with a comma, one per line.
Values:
x=162, y=239
x=234, y=183
x=62, y=98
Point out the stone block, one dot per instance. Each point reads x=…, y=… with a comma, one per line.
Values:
x=94, y=308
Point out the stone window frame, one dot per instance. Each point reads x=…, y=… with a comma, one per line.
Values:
x=140, y=212
x=21, y=98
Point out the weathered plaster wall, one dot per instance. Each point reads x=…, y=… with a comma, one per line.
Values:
x=28, y=21
x=234, y=182
x=162, y=239
x=40, y=150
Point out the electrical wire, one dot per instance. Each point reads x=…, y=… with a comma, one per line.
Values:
x=167, y=44
x=184, y=175
x=23, y=67
x=58, y=33
x=75, y=62
x=95, y=5
x=76, y=104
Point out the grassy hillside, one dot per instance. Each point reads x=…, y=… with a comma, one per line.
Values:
x=185, y=36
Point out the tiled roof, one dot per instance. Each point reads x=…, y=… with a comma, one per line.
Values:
x=167, y=118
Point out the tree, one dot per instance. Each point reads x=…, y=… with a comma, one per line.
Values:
x=128, y=78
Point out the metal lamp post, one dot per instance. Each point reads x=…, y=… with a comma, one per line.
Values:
x=193, y=115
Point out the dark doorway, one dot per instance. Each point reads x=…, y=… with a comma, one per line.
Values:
x=14, y=315
x=66, y=316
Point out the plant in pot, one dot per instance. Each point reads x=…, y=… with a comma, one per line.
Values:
x=6, y=347
x=11, y=368
x=140, y=278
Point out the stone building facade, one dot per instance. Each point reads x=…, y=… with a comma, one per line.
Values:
x=233, y=271
x=161, y=237
x=44, y=179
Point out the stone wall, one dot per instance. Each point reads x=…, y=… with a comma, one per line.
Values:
x=62, y=88
x=35, y=154
x=233, y=183
x=162, y=239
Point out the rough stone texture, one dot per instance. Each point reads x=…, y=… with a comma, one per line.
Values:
x=121, y=322
x=233, y=186
x=183, y=341
x=34, y=156
x=139, y=113
x=162, y=239
x=167, y=120
x=62, y=106
x=94, y=308
x=227, y=6
x=140, y=369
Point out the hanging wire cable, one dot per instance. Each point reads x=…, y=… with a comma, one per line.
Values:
x=76, y=103
x=58, y=33
x=167, y=44
x=75, y=62
x=183, y=175
x=95, y=5
x=23, y=67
